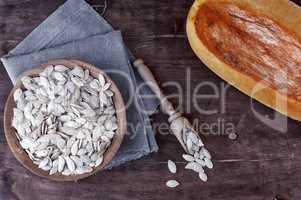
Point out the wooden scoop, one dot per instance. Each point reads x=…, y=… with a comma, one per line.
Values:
x=176, y=120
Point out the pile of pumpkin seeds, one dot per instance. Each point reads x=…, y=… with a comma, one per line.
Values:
x=197, y=156
x=65, y=119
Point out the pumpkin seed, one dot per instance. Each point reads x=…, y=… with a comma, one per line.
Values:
x=188, y=157
x=172, y=166
x=203, y=176
x=65, y=119
x=172, y=183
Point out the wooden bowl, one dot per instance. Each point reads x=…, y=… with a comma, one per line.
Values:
x=23, y=157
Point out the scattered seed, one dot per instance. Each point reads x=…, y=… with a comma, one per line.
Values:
x=203, y=176
x=188, y=157
x=172, y=166
x=172, y=183
x=208, y=163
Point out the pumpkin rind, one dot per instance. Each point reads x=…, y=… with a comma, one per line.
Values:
x=285, y=13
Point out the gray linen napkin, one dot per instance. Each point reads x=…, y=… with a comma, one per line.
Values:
x=76, y=31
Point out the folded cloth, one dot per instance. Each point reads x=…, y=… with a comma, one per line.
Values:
x=76, y=31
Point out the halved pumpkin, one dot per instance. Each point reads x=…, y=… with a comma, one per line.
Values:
x=254, y=45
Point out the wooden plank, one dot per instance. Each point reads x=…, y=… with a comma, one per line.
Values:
x=261, y=164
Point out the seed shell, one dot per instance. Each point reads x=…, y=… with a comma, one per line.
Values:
x=172, y=166
x=172, y=183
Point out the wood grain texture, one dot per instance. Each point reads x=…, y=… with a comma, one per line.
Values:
x=260, y=165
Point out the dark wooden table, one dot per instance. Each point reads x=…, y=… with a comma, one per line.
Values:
x=261, y=164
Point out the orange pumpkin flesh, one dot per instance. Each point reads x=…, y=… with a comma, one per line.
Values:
x=250, y=46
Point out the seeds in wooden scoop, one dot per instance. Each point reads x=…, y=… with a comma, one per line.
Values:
x=65, y=119
x=198, y=157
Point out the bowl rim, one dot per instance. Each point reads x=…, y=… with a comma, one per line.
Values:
x=21, y=155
